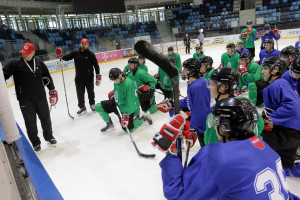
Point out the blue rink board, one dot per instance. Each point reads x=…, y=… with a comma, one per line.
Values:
x=44, y=186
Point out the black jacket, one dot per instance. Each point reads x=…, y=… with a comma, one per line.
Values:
x=187, y=41
x=85, y=62
x=28, y=86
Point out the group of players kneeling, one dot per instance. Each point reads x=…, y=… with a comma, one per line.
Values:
x=234, y=138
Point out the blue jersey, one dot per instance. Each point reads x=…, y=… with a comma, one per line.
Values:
x=280, y=97
x=198, y=102
x=297, y=45
x=244, y=50
x=294, y=83
x=243, y=169
x=264, y=54
x=270, y=35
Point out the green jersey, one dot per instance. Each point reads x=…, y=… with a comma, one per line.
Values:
x=143, y=66
x=249, y=41
x=254, y=73
x=125, y=96
x=207, y=75
x=232, y=61
x=195, y=55
x=141, y=77
x=163, y=76
x=178, y=61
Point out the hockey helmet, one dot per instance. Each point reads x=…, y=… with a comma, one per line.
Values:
x=296, y=66
x=230, y=45
x=227, y=76
x=133, y=61
x=114, y=73
x=289, y=51
x=170, y=48
x=269, y=41
x=199, y=48
x=249, y=22
x=277, y=63
x=246, y=56
x=207, y=60
x=238, y=44
x=267, y=27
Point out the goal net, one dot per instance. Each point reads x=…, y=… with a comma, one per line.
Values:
x=166, y=45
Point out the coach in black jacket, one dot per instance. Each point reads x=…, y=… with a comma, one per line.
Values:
x=30, y=75
x=85, y=63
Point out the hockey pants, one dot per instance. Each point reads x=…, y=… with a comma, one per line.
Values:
x=167, y=93
x=30, y=109
x=146, y=99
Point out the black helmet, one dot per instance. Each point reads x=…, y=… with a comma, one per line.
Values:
x=193, y=65
x=269, y=41
x=240, y=44
x=227, y=76
x=142, y=57
x=289, y=51
x=237, y=116
x=246, y=55
x=207, y=60
x=249, y=22
x=170, y=48
x=296, y=66
x=275, y=62
x=172, y=59
x=230, y=45
x=199, y=48
x=114, y=73
x=267, y=27
x=133, y=60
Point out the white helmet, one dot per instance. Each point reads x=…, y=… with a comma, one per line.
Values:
x=201, y=30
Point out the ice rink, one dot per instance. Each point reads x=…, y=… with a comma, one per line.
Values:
x=88, y=164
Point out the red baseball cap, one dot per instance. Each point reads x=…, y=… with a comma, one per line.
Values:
x=84, y=40
x=27, y=48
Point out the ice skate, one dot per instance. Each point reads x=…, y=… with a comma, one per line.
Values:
x=37, y=148
x=81, y=111
x=109, y=127
x=52, y=142
x=93, y=107
x=146, y=118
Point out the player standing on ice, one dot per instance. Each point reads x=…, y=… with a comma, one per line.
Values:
x=199, y=53
x=223, y=83
x=281, y=115
x=289, y=54
x=187, y=43
x=124, y=97
x=30, y=75
x=201, y=38
x=206, y=67
x=249, y=70
x=247, y=35
x=142, y=61
x=240, y=48
x=145, y=86
x=267, y=34
x=268, y=51
x=209, y=174
x=85, y=63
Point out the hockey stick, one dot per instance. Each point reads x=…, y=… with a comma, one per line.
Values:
x=276, y=40
x=147, y=50
x=187, y=155
x=137, y=150
x=59, y=53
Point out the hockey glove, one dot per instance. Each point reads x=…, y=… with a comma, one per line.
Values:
x=257, y=61
x=221, y=66
x=190, y=135
x=268, y=121
x=156, y=76
x=243, y=70
x=165, y=106
x=111, y=95
x=243, y=35
x=144, y=88
x=53, y=97
x=276, y=31
x=98, y=79
x=249, y=31
x=59, y=52
x=168, y=133
x=260, y=34
x=125, y=121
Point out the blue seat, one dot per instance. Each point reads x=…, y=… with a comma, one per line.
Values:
x=294, y=3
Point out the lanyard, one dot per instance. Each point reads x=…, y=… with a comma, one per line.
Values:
x=34, y=66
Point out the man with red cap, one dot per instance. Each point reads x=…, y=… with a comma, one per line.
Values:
x=30, y=76
x=85, y=63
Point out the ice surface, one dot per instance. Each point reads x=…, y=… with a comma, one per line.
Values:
x=88, y=164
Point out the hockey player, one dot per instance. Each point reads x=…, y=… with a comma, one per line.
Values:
x=241, y=166
x=249, y=70
x=289, y=54
x=230, y=58
x=247, y=35
x=197, y=100
x=268, y=51
x=145, y=87
x=199, y=53
x=30, y=75
x=187, y=43
x=124, y=97
x=240, y=48
x=142, y=61
x=267, y=34
x=297, y=44
x=293, y=77
x=85, y=64
x=176, y=56
x=281, y=115
x=223, y=83
x=206, y=67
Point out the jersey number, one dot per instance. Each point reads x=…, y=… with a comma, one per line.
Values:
x=276, y=179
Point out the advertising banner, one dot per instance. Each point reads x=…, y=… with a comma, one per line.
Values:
x=129, y=53
x=108, y=56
